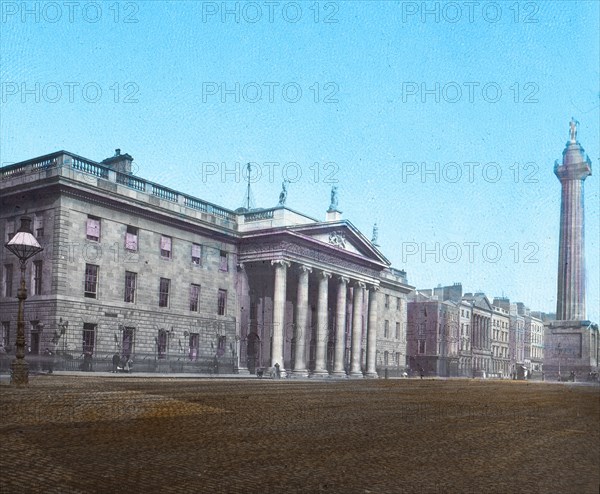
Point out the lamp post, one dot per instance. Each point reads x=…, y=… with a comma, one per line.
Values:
x=23, y=245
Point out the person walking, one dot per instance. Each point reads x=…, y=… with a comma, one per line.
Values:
x=277, y=370
x=115, y=362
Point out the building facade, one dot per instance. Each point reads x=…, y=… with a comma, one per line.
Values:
x=134, y=268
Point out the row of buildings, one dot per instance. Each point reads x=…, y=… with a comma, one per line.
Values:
x=454, y=334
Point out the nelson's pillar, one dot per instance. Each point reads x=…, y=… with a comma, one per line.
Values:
x=571, y=341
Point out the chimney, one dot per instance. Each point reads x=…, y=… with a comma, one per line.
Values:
x=119, y=162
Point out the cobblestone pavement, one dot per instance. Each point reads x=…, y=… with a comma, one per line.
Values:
x=67, y=434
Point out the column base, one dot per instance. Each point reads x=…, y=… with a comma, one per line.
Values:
x=19, y=372
x=321, y=373
x=372, y=375
x=355, y=375
x=243, y=371
x=338, y=375
x=298, y=374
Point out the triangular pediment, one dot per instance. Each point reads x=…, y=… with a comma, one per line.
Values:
x=342, y=236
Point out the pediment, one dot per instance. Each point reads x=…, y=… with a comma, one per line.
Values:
x=341, y=236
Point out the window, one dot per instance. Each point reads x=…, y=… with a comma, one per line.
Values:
x=131, y=239
x=221, y=345
x=421, y=346
x=130, y=286
x=196, y=254
x=127, y=345
x=91, y=281
x=223, y=261
x=89, y=338
x=38, y=225
x=397, y=330
x=386, y=358
x=163, y=292
x=5, y=333
x=36, y=277
x=165, y=247
x=8, y=280
x=194, y=340
x=398, y=303
x=93, y=228
x=387, y=301
x=398, y=358
x=386, y=329
x=10, y=229
x=221, y=302
x=194, y=297
x=161, y=344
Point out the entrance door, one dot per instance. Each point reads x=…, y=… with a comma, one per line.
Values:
x=35, y=342
x=127, y=342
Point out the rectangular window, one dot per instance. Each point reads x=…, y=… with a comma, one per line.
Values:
x=165, y=247
x=91, y=281
x=38, y=225
x=397, y=330
x=36, y=277
x=161, y=344
x=223, y=265
x=194, y=297
x=421, y=346
x=163, y=292
x=387, y=301
x=196, y=254
x=5, y=333
x=221, y=302
x=131, y=239
x=221, y=345
x=386, y=329
x=89, y=338
x=130, y=286
x=127, y=345
x=8, y=280
x=194, y=342
x=10, y=229
x=398, y=358
x=93, y=228
x=397, y=303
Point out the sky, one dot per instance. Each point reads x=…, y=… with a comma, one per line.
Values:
x=439, y=121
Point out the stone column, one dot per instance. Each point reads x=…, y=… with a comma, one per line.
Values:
x=322, y=325
x=301, y=319
x=372, y=333
x=357, y=314
x=340, y=328
x=279, y=313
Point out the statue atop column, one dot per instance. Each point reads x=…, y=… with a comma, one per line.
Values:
x=334, y=199
x=573, y=129
x=283, y=193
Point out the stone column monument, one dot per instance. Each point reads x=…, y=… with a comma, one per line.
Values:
x=571, y=341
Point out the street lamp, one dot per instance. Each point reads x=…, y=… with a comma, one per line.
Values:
x=23, y=245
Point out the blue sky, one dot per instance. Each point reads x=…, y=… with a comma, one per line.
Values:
x=388, y=92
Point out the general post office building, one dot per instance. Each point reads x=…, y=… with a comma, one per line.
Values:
x=178, y=284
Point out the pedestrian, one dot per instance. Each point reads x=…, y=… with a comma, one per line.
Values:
x=277, y=370
x=421, y=372
x=87, y=361
x=115, y=362
x=49, y=362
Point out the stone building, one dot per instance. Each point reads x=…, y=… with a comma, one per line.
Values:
x=134, y=268
x=481, y=334
x=500, y=342
x=433, y=335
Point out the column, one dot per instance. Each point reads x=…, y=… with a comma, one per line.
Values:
x=357, y=313
x=340, y=328
x=279, y=313
x=322, y=324
x=372, y=333
x=301, y=318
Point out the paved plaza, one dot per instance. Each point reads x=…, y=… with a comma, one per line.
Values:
x=134, y=434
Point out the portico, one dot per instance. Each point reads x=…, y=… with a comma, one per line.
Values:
x=312, y=300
